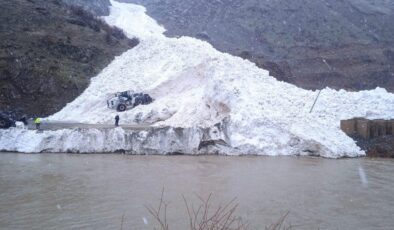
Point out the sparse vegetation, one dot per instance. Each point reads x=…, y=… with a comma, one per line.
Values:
x=49, y=53
x=205, y=216
x=97, y=24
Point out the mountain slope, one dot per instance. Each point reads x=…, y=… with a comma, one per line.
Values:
x=49, y=52
x=291, y=38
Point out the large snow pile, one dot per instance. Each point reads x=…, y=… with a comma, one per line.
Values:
x=195, y=85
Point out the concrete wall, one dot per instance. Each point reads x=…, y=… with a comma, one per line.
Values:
x=367, y=129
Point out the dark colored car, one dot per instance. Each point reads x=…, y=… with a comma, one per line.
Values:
x=6, y=121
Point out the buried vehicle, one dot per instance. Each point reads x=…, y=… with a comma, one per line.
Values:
x=6, y=121
x=128, y=100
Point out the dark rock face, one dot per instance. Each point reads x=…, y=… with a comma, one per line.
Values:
x=382, y=147
x=49, y=52
x=377, y=147
x=292, y=38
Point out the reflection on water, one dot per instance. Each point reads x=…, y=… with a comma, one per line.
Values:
x=61, y=191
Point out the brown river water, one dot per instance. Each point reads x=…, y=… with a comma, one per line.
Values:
x=74, y=191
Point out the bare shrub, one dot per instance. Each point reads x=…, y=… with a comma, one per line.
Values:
x=279, y=224
x=109, y=39
x=160, y=213
x=81, y=12
x=202, y=217
x=205, y=217
x=112, y=33
x=117, y=33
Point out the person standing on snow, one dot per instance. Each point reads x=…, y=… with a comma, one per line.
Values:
x=37, y=121
x=117, y=120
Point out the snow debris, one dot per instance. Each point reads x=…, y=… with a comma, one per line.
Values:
x=193, y=84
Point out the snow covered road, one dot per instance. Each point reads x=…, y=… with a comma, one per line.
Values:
x=71, y=125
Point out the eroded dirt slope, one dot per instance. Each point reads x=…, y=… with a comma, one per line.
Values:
x=49, y=52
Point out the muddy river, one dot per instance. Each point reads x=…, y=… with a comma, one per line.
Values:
x=66, y=191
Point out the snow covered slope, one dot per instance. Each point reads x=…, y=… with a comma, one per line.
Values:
x=195, y=85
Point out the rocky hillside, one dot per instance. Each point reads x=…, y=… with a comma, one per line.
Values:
x=48, y=53
x=291, y=38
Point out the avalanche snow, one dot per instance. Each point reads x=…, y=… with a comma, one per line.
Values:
x=194, y=85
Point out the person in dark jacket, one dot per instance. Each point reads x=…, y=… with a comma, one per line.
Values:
x=117, y=120
x=24, y=120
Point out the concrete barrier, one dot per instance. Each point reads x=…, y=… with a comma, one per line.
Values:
x=390, y=128
x=367, y=129
x=349, y=126
x=363, y=128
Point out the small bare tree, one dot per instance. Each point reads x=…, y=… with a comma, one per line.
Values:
x=279, y=225
x=160, y=213
x=205, y=217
